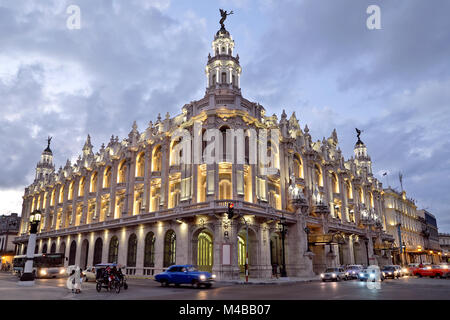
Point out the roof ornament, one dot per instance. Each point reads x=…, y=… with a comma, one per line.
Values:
x=224, y=14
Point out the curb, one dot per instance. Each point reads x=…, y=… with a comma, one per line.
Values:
x=267, y=283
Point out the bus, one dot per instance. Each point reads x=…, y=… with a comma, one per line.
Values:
x=45, y=265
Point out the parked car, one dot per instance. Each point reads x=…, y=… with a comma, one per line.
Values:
x=371, y=273
x=334, y=274
x=354, y=270
x=185, y=274
x=390, y=272
x=432, y=271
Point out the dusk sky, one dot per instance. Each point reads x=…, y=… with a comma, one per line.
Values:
x=133, y=59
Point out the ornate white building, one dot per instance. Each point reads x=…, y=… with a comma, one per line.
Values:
x=134, y=203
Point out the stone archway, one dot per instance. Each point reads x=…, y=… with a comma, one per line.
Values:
x=72, y=253
x=203, y=249
x=252, y=244
x=276, y=253
x=84, y=254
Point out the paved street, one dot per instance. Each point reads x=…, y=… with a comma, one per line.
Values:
x=405, y=288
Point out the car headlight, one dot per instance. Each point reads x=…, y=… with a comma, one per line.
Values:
x=405, y=270
x=62, y=271
x=213, y=276
x=202, y=277
x=322, y=275
x=353, y=272
x=333, y=275
x=372, y=275
x=361, y=274
x=43, y=272
x=384, y=274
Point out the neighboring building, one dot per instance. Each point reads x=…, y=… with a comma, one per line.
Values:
x=444, y=242
x=403, y=224
x=9, y=228
x=432, y=249
x=134, y=202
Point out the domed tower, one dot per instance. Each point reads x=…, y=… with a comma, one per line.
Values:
x=223, y=70
x=362, y=159
x=45, y=166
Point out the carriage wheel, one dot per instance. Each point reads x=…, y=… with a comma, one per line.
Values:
x=98, y=286
x=117, y=285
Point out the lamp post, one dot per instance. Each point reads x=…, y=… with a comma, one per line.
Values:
x=283, y=230
x=246, y=250
x=27, y=278
x=404, y=253
x=307, y=231
x=366, y=241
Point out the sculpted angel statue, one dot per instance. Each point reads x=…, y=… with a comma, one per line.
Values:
x=224, y=14
x=358, y=132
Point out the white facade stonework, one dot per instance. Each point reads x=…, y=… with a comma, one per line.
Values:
x=164, y=212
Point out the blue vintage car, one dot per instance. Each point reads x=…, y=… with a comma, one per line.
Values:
x=185, y=274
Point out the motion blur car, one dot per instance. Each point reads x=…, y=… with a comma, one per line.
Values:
x=390, y=272
x=401, y=271
x=411, y=268
x=185, y=274
x=438, y=271
x=334, y=274
x=353, y=271
x=371, y=273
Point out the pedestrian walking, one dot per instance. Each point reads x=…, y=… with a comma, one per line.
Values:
x=70, y=283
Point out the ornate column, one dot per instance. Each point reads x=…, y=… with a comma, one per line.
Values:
x=147, y=172
x=112, y=192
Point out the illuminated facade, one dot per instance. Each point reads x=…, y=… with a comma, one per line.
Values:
x=133, y=202
x=403, y=223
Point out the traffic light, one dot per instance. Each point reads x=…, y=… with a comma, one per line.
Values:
x=230, y=210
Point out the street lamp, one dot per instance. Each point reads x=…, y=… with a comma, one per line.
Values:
x=27, y=278
x=366, y=241
x=307, y=231
x=283, y=230
x=404, y=253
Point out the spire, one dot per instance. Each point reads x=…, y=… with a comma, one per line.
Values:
x=87, y=149
x=45, y=166
x=223, y=70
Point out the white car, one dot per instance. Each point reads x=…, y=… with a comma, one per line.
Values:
x=89, y=274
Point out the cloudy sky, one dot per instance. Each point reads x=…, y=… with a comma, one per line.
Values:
x=134, y=59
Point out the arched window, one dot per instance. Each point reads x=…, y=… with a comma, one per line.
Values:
x=140, y=165
x=349, y=190
x=81, y=187
x=44, y=248
x=93, y=186
x=132, y=250
x=224, y=77
x=175, y=152
x=113, y=250
x=72, y=253
x=107, y=178
x=61, y=194
x=149, y=250
x=157, y=159
x=52, y=199
x=298, y=167
x=225, y=187
x=170, y=244
x=121, y=177
x=335, y=182
x=53, y=248
x=98, y=248
x=223, y=132
x=62, y=248
x=318, y=175
x=214, y=79
x=70, y=195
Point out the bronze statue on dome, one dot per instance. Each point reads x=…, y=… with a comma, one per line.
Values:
x=48, y=141
x=358, y=132
x=224, y=14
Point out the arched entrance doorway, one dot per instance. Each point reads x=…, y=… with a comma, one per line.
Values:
x=242, y=250
x=84, y=254
x=113, y=253
x=170, y=245
x=98, y=248
x=203, y=250
x=72, y=253
x=44, y=248
x=53, y=248
x=276, y=254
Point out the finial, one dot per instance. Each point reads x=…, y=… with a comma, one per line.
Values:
x=134, y=125
x=306, y=128
x=49, y=139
